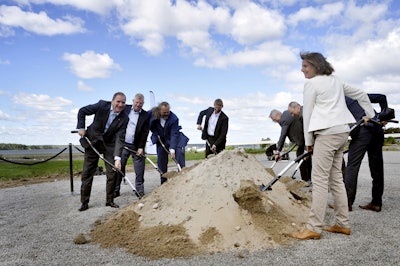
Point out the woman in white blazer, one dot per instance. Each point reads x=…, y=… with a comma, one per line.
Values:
x=326, y=130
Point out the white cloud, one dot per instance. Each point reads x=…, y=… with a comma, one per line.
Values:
x=4, y=116
x=212, y=35
x=321, y=15
x=39, y=23
x=91, y=65
x=367, y=13
x=96, y=6
x=83, y=87
x=153, y=43
x=149, y=22
x=41, y=102
x=6, y=31
x=382, y=57
x=253, y=24
x=268, y=53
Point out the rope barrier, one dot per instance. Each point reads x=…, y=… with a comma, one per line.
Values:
x=78, y=149
x=46, y=160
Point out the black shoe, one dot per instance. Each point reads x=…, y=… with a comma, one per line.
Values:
x=84, y=207
x=112, y=204
x=116, y=194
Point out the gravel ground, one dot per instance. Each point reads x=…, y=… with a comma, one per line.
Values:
x=38, y=224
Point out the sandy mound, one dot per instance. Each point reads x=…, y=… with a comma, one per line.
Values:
x=213, y=206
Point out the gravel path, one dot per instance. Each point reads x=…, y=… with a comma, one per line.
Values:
x=38, y=224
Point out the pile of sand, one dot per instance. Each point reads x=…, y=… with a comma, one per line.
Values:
x=213, y=206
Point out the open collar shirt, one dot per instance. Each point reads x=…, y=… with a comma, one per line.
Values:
x=131, y=128
x=212, y=123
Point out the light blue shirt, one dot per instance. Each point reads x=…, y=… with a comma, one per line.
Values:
x=111, y=117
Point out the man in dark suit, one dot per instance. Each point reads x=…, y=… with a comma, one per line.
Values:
x=215, y=127
x=367, y=139
x=109, y=124
x=164, y=126
x=135, y=138
x=292, y=127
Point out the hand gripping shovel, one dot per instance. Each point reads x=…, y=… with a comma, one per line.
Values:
x=297, y=160
x=283, y=155
x=116, y=170
x=281, y=173
x=165, y=148
x=112, y=165
x=147, y=158
x=297, y=168
x=209, y=145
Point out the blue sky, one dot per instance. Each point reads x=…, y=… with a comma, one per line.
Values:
x=59, y=55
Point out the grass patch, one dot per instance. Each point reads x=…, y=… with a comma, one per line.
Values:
x=60, y=167
x=51, y=168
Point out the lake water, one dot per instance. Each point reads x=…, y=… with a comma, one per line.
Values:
x=39, y=151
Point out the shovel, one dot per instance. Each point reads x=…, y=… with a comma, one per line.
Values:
x=270, y=170
x=281, y=173
x=299, y=159
x=147, y=158
x=165, y=148
x=209, y=145
x=110, y=164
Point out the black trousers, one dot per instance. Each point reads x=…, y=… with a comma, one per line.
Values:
x=91, y=160
x=163, y=157
x=211, y=140
x=367, y=140
x=306, y=166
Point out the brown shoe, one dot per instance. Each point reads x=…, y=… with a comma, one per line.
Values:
x=338, y=229
x=371, y=207
x=306, y=234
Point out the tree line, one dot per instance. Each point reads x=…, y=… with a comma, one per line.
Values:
x=14, y=146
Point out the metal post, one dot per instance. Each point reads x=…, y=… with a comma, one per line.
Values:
x=71, y=173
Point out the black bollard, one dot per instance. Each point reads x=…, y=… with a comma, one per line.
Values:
x=71, y=173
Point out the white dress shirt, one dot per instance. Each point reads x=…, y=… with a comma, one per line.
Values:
x=212, y=123
x=131, y=128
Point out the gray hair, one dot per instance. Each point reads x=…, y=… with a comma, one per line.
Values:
x=293, y=104
x=139, y=96
x=274, y=113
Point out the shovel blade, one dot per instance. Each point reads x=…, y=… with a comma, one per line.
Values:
x=264, y=187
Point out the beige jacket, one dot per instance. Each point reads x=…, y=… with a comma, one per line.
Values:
x=325, y=106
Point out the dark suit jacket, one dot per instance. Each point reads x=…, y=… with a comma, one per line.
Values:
x=95, y=132
x=142, y=128
x=358, y=112
x=221, y=129
x=170, y=134
x=291, y=127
